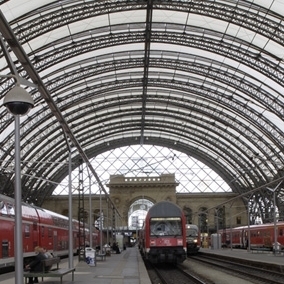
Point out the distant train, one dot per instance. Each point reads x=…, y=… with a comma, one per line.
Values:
x=192, y=239
x=163, y=237
x=261, y=236
x=40, y=227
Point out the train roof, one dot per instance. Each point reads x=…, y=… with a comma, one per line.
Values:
x=30, y=209
x=165, y=209
x=257, y=226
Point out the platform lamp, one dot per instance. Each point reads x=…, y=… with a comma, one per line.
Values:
x=274, y=216
x=18, y=101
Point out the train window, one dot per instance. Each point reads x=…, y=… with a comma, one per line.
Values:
x=10, y=209
x=280, y=232
x=42, y=231
x=191, y=232
x=3, y=208
x=165, y=226
x=27, y=231
x=49, y=233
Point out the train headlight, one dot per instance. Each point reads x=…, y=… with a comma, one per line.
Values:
x=195, y=241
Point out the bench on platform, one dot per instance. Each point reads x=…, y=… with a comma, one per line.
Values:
x=48, y=272
x=102, y=256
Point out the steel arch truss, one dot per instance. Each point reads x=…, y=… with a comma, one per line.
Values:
x=201, y=89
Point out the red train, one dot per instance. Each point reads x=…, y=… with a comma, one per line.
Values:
x=192, y=239
x=163, y=237
x=40, y=227
x=261, y=236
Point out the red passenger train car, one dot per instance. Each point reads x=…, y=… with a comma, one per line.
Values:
x=261, y=236
x=163, y=237
x=40, y=227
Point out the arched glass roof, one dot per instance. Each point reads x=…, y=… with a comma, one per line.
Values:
x=146, y=161
x=204, y=78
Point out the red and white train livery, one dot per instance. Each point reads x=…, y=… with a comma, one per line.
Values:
x=163, y=238
x=40, y=227
x=261, y=236
x=192, y=239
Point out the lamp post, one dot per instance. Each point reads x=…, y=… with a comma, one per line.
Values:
x=217, y=220
x=101, y=225
x=274, y=215
x=70, y=222
x=18, y=101
x=248, y=237
x=248, y=217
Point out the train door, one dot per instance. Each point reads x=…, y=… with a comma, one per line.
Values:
x=281, y=236
x=4, y=249
x=243, y=239
x=55, y=241
x=35, y=235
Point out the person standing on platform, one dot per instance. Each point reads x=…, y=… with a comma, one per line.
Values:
x=36, y=264
x=115, y=247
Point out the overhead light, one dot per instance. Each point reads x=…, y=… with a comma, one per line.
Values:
x=18, y=101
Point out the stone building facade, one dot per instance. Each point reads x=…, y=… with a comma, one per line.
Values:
x=210, y=211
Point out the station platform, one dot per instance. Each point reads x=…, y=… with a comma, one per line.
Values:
x=260, y=256
x=124, y=268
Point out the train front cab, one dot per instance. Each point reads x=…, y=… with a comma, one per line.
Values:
x=166, y=240
x=192, y=239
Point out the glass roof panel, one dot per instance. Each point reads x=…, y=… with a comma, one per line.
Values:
x=141, y=161
x=14, y=8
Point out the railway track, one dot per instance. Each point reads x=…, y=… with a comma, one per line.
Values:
x=253, y=272
x=171, y=274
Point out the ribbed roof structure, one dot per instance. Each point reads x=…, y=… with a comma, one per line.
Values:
x=203, y=77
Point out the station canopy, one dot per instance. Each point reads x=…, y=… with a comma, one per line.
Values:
x=203, y=78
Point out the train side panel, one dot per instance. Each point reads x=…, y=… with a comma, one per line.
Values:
x=7, y=228
x=40, y=227
x=261, y=236
x=54, y=231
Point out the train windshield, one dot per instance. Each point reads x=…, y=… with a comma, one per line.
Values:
x=165, y=226
x=191, y=232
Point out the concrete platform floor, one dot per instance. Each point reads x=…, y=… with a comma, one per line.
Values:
x=124, y=268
